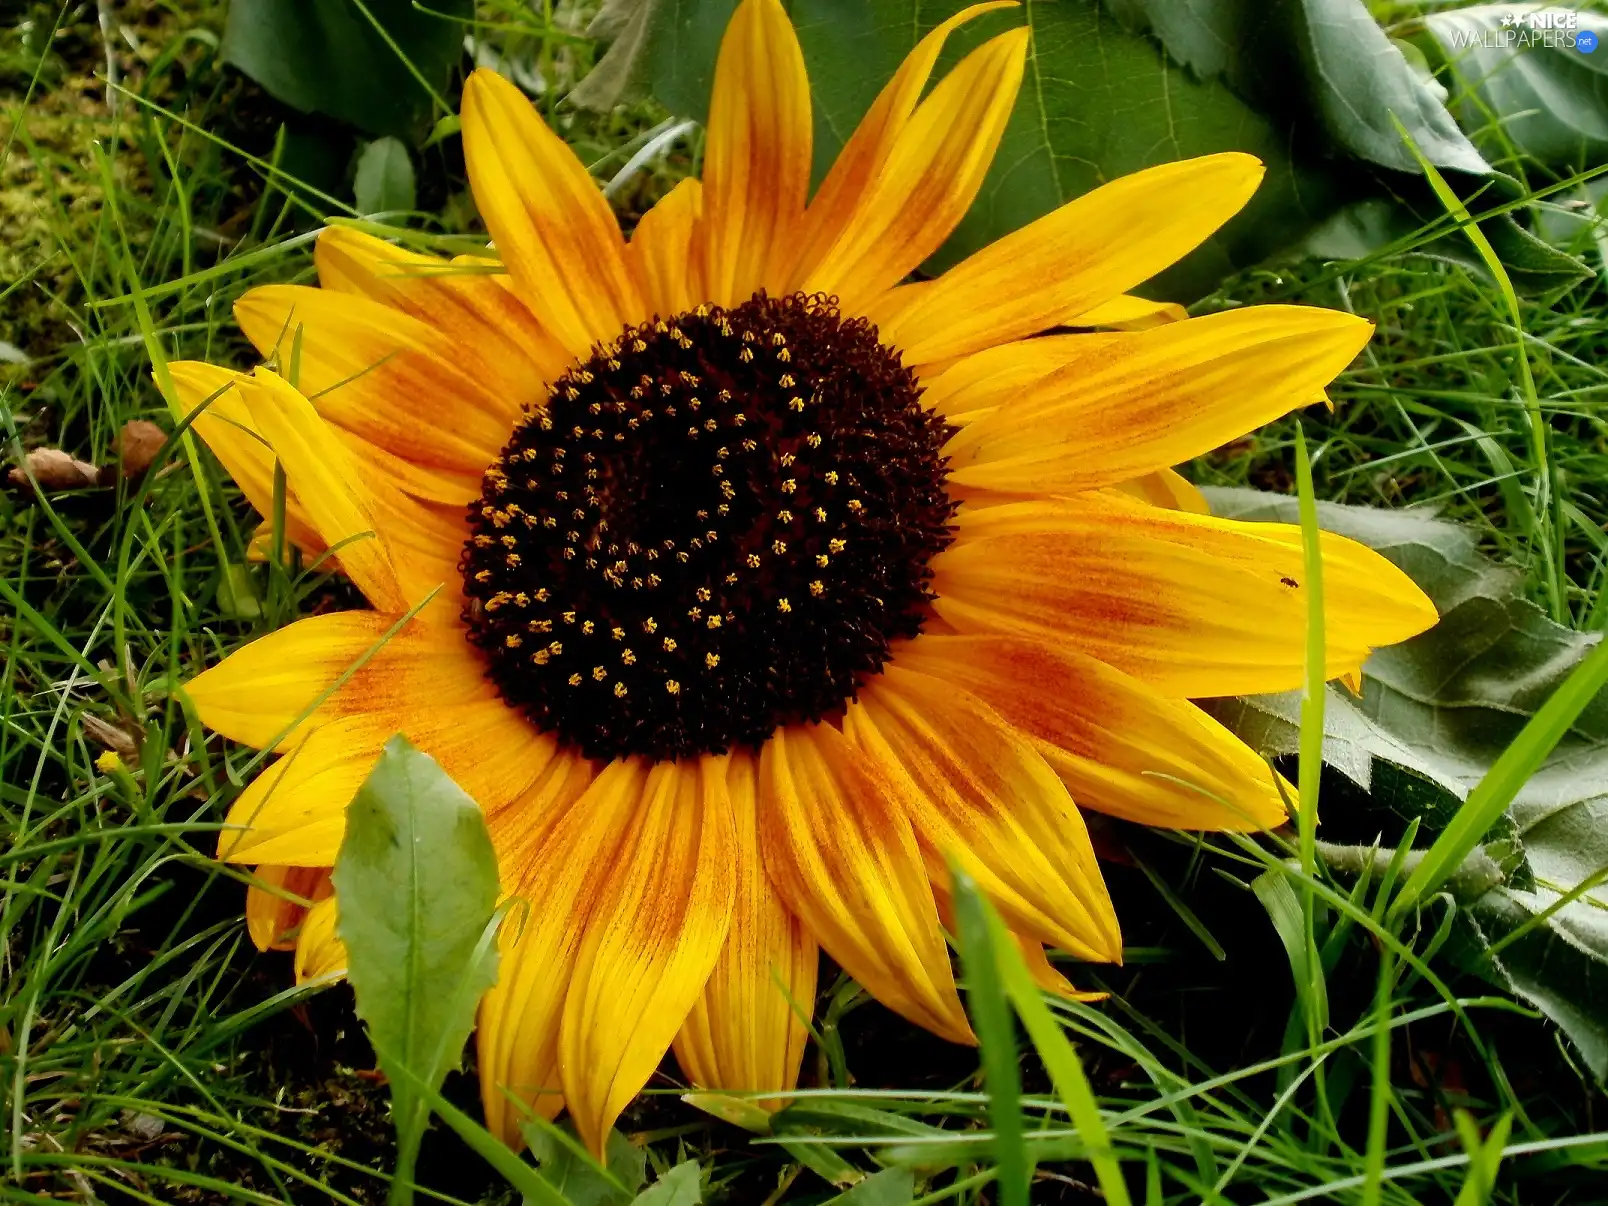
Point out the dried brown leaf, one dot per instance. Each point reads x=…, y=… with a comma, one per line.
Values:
x=54, y=469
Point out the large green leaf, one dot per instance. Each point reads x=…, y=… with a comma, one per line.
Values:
x=1518, y=89
x=1434, y=715
x=416, y=878
x=1557, y=957
x=1111, y=88
x=1320, y=62
x=326, y=56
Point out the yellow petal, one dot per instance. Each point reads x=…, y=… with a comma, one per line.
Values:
x=548, y=218
x=1193, y=605
x=664, y=253
x=756, y=172
x=842, y=195
x=380, y=374
x=556, y=887
x=651, y=942
x=1127, y=312
x=1119, y=746
x=276, y=906
x=1047, y=976
x=746, y=1032
x=497, y=339
x=841, y=851
x=1167, y=488
x=1087, y=252
x=294, y=812
x=929, y=179
x=1141, y=402
x=328, y=483
x=981, y=794
x=225, y=424
x=391, y=547
x=257, y=693
x=319, y=952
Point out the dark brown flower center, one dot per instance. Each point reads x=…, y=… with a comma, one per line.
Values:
x=714, y=527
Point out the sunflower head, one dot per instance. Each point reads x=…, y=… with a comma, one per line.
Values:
x=745, y=583
x=715, y=526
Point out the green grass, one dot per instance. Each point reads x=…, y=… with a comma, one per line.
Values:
x=148, y=1053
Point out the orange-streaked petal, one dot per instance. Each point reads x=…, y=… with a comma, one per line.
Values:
x=664, y=252
x=557, y=888
x=1193, y=605
x=1073, y=259
x=859, y=164
x=549, y=219
x=1049, y=977
x=746, y=1032
x=497, y=338
x=756, y=172
x=841, y=851
x=276, y=906
x=984, y=796
x=1119, y=746
x=652, y=939
x=256, y=694
x=1141, y=402
x=930, y=177
x=379, y=373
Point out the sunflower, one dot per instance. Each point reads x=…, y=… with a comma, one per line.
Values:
x=744, y=585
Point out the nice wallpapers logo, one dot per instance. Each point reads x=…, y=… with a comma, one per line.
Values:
x=1553, y=29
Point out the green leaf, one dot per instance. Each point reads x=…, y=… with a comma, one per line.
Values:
x=1537, y=96
x=1558, y=962
x=1501, y=784
x=327, y=56
x=384, y=181
x=567, y=1166
x=623, y=73
x=416, y=878
x=890, y=1187
x=681, y=1186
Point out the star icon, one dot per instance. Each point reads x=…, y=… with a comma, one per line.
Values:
x=1509, y=20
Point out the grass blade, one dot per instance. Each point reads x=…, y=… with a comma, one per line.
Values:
x=996, y=1034
x=1057, y=1054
